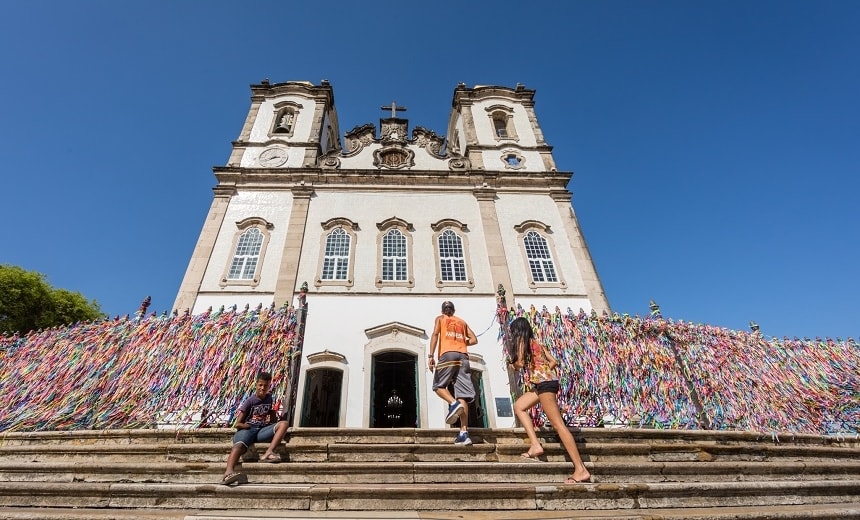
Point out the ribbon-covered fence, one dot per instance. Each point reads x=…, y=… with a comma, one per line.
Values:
x=656, y=373
x=145, y=372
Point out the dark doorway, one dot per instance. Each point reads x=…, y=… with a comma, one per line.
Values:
x=321, y=403
x=477, y=408
x=394, y=391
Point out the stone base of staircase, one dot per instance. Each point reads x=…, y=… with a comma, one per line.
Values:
x=796, y=512
x=420, y=474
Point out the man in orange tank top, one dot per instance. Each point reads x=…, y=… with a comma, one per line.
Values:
x=452, y=337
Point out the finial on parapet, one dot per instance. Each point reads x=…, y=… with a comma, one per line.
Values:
x=754, y=326
x=303, y=293
x=141, y=311
x=655, y=309
x=501, y=305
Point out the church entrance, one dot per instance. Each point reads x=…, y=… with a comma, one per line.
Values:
x=394, y=390
x=321, y=404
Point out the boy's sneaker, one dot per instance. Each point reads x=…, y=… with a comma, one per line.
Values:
x=463, y=439
x=455, y=410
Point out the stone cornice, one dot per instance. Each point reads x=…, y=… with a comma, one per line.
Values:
x=305, y=89
x=538, y=182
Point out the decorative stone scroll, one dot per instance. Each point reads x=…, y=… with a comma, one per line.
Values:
x=358, y=138
x=428, y=140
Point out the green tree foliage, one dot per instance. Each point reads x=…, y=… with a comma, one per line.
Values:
x=28, y=302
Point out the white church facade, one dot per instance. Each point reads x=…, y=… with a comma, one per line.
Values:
x=383, y=227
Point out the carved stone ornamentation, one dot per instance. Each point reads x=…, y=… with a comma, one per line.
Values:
x=428, y=140
x=393, y=131
x=393, y=157
x=458, y=164
x=330, y=162
x=358, y=138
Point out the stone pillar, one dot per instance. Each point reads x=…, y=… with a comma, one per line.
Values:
x=499, y=271
x=593, y=286
x=285, y=287
x=203, y=250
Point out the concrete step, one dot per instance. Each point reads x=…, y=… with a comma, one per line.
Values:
x=429, y=497
x=427, y=472
x=424, y=436
x=785, y=512
x=304, y=451
x=368, y=470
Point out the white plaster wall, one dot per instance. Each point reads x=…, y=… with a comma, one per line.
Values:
x=266, y=114
x=338, y=322
x=227, y=300
x=421, y=210
x=325, y=125
x=484, y=125
x=274, y=207
x=513, y=209
x=563, y=303
x=425, y=161
x=461, y=134
x=493, y=160
x=295, y=157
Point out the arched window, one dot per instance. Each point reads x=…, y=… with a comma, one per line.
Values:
x=337, y=252
x=336, y=256
x=249, y=250
x=394, y=259
x=500, y=124
x=540, y=262
x=502, y=119
x=246, y=256
x=451, y=241
x=452, y=261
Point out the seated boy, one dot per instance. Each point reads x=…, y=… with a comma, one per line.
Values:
x=256, y=421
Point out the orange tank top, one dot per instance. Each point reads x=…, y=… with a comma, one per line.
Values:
x=452, y=335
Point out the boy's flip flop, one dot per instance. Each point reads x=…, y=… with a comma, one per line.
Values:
x=271, y=459
x=234, y=477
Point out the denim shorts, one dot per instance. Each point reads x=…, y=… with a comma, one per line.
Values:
x=254, y=434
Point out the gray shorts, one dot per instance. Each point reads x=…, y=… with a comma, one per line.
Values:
x=455, y=366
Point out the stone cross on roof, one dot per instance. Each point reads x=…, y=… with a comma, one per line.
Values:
x=394, y=109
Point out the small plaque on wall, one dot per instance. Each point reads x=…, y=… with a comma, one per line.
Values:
x=503, y=407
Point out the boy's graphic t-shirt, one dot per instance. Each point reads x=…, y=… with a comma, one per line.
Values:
x=257, y=410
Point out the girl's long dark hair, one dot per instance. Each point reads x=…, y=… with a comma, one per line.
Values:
x=521, y=330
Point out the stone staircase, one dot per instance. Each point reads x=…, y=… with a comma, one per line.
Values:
x=412, y=473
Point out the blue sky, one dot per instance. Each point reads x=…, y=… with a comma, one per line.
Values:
x=715, y=145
